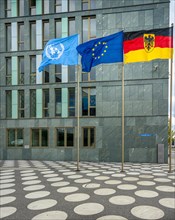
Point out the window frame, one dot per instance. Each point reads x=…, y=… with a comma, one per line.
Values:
x=20, y=42
x=8, y=72
x=31, y=106
x=21, y=109
x=58, y=4
x=65, y=137
x=32, y=74
x=8, y=9
x=90, y=36
x=32, y=7
x=32, y=47
x=45, y=109
x=16, y=137
x=89, y=136
x=89, y=106
x=40, y=137
x=20, y=73
x=43, y=31
x=7, y=108
x=8, y=38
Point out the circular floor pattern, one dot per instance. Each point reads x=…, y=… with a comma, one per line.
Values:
x=31, y=182
x=147, y=212
x=6, y=177
x=54, y=179
x=6, y=185
x=47, y=172
x=88, y=209
x=146, y=193
x=7, y=199
x=113, y=182
x=6, y=174
x=28, y=174
x=5, y=192
x=91, y=185
x=118, y=175
x=102, y=177
x=166, y=188
x=168, y=202
x=111, y=217
x=85, y=171
x=171, y=177
x=92, y=174
x=108, y=172
x=33, y=188
x=159, y=174
x=7, y=211
x=75, y=176
x=69, y=173
x=133, y=173
x=104, y=191
x=67, y=189
x=131, y=179
x=146, y=183
x=51, y=215
x=121, y=200
x=82, y=181
x=63, y=183
x=50, y=175
x=30, y=178
x=37, y=195
x=26, y=171
x=127, y=187
x=162, y=180
x=77, y=197
x=42, y=204
x=146, y=176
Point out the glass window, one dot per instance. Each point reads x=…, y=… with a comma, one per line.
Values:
x=20, y=7
x=89, y=28
x=20, y=70
x=58, y=76
x=46, y=6
x=65, y=137
x=8, y=12
x=71, y=102
x=15, y=138
x=46, y=75
x=71, y=73
x=58, y=6
x=89, y=137
x=33, y=35
x=8, y=71
x=88, y=101
x=71, y=26
x=8, y=37
x=58, y=106
x=32, y=7
x=20, y=36
x=45, y=32
x=46, y=102
x=33, y=69
x=71, y=5
x=8, y=104
x=39, y=137
x=88, y=4
x=33, y=103
x=91, y=76
x=58, y=28
x=21, y=103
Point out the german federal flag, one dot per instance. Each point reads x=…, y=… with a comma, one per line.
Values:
x=146, y=45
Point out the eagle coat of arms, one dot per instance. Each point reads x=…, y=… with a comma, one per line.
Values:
x=149, y=42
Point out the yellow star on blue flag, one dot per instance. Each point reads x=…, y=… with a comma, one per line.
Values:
x=107, y=49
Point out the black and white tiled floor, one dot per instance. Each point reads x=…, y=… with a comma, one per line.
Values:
x=52, y=190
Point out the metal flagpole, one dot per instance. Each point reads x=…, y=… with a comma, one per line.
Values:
x=123, y=120
x=171, y=88
x=78, y=118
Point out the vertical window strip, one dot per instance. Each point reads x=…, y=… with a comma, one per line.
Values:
x=33, y=103
x=21, y=70
x=9, y=104
x=8, y=71
x=21, y=104
x=46, y=102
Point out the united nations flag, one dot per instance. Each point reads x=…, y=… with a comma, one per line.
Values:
x=60, y=51
x=102, y=50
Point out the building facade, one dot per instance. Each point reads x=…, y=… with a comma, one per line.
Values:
x=38, y=111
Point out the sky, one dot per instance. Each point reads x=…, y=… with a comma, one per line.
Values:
x=172, y=20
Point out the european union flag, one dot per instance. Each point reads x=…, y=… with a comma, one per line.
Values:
x=60, y=51
x=107, y=49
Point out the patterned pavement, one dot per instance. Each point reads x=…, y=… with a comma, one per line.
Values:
x=54, y=190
